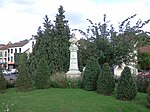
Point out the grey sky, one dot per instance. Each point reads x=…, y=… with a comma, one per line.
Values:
x=20, y=18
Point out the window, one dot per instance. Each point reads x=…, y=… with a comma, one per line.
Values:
x=11, y=59
x=8, y=50
x=5, y=53
x=8, y=58
x=5, y=59
x=1, y=54
x=15, y=50
x=11, y=51
x=19, y=50
x=32, y=44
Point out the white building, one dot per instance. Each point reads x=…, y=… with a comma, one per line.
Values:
x=3, y=55
x=132, y=66
x=7, y=52
x=118, y=70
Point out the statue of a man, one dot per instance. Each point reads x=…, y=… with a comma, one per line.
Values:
x=73, y=40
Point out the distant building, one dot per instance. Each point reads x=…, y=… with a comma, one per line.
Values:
x=3, y=55
x=144, y=49
x=132, y=66
x=7, y=52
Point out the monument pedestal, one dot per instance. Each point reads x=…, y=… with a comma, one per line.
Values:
x=73, y=69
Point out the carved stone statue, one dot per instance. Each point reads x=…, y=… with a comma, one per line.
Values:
x=73, y=68
x=73, y=40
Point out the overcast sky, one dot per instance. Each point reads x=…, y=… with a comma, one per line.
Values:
x=19, y=19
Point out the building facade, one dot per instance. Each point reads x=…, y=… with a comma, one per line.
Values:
x=132, y=66
x=3, y=56
x=8, y=52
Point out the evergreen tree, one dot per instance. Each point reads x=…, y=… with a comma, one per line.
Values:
x=90, y=75
x=42, y=75
x=3, y=82
x=106, y=81
x=23, y=81
x=52, y=44
x=126, y=88
x=60, y=45
x=42, y=47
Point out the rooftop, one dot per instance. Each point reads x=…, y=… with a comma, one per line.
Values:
x=11, y=45
x=144, y=49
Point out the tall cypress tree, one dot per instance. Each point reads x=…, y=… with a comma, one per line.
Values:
x=60, y=45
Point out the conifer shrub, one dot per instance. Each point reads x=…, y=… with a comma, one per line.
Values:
x=3, y=82
x=148, y=96
x=106, y=81
x=23, y=81
x=90, y=74
x=42, y=75
x=126, y=89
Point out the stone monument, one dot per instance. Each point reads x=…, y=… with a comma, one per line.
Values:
x=73, y=68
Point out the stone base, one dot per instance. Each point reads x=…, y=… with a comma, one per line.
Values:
x=73, y=74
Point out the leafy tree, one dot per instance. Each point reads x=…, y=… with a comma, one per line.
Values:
x=144, y=60
x=110, y=46
x=23, y=81
x=42, y=75
x=106, y=81
x=90, y=75
x=3, y=82
x=143, y=40
x=126, y=88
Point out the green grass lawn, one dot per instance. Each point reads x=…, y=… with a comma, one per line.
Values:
x=68, y=100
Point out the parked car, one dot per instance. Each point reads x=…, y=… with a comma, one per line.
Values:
x=14, y=71
x=6, y=72
x=144, y=73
